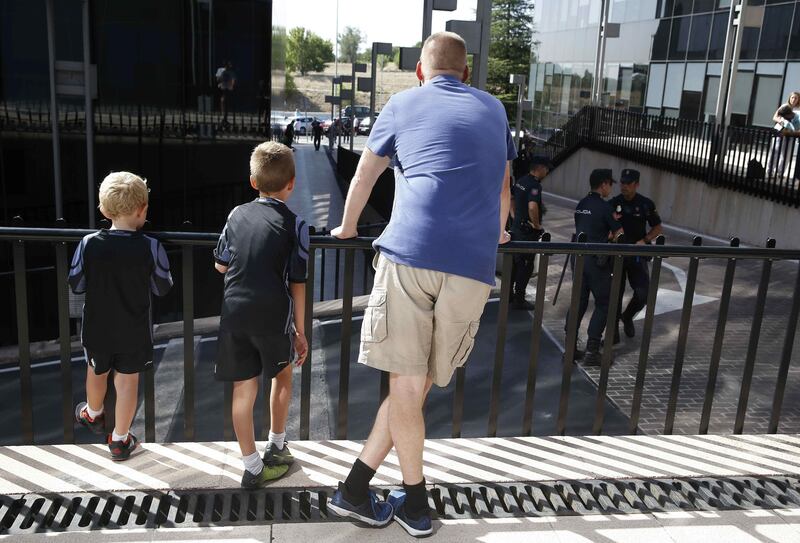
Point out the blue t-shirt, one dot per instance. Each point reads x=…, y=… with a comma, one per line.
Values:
x=449, y=143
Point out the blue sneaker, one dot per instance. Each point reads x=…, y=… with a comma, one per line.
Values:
x=373, y=511
x=420, y=527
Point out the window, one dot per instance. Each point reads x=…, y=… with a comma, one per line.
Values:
x=679, y=38
x=794, y=37
x=749, y=43
x=741, y=93
x=682, y=7
x=768, y=98
x=702, y=6
x=792, y=81
x=661, y=40
x=775, y=31
x=655, y=85
x=716, y=46
x=674, y=85
x=712, y=93
x=698, y=37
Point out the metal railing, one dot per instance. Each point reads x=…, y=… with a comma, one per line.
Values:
x=750, y=159
x=186, y=243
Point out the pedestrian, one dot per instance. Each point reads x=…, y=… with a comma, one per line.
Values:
x=118, y=269
x=527, y=225
x=596, y=218
x=316, y=130
x=637, y=212
x=435, y=263
x=226, y=82
x=288, y=135
x=782, y=147
x=263, y=252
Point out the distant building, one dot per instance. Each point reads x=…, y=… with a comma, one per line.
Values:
x=667, y=60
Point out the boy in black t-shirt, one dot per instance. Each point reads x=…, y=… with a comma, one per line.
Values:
x=117, y=269
x=263, y=252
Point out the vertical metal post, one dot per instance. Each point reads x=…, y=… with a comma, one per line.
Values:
x=571, y=339
x=752, y=346
x=683, y=334
x=353, y=88
x=227, y=412
x=23, y=341
x=344, y=357
x=62, y=270
x=88, y=113
x=520, y=98
x=188, y=342
x=427, y=19
x=305, y=374
x=727, y=69
x=611, y=325
x=481, y=64
x=536, y=335
x=786, y=358
x=597, y=84
x=500, y=346
x=719, y=336
x=51, y=51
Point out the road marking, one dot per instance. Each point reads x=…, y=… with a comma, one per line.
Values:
x=39, y=478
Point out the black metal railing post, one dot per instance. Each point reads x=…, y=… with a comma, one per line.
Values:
x=344, y=356
x=23, y=340
x=187, y=262
x=786, y=358
x=536, y=335
x=500, y=345
x=305, y=375
x=64, y=340
x=571, y=339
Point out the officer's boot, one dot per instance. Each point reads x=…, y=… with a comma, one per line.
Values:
x=578, y=354
x=627, y=324
x=592, y=356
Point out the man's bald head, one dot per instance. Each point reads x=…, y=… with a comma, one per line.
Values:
x=444, y=52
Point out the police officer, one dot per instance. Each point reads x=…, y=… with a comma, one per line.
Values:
x=595, y=217
x=637, y=212
x=527, y=225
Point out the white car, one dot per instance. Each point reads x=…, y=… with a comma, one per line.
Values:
x=302, y=125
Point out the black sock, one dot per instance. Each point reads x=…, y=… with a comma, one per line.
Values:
x=356, y=485
x=416, y=500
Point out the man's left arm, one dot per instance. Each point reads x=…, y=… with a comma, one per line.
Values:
x=654, y=220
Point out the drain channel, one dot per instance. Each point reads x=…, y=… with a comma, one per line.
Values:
x=38, y=513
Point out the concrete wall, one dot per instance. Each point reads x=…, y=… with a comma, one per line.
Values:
x=688, y=203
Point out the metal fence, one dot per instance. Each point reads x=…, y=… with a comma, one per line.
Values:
x=751, y=159
x=19, y=240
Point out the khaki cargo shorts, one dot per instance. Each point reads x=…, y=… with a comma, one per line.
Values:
x=420, y=322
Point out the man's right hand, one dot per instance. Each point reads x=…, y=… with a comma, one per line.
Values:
x=340, y=232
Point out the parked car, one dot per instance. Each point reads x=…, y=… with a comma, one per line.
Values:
x=360, y=112
x=365, y=126
x=302, y=125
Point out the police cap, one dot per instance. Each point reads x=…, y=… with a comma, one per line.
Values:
x=629, y=176
x=600, y=175
x=540, y=160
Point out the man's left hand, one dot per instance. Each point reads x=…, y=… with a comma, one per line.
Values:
x=505, y=237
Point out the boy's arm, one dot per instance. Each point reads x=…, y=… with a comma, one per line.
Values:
x=298, y=292
x=77, y=277
x=298, y=275
x=161, y=279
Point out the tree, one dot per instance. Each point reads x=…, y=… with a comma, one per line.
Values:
x=307, y=52
x=510, y=47
x=349, y=42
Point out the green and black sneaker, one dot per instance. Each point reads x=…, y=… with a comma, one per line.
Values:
x=268, y=473
x=273, y=456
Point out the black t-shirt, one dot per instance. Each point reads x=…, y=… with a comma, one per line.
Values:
x=265, y=247
x=527, y=189
x=637, y=212
x=118, y=269
x=594, y=217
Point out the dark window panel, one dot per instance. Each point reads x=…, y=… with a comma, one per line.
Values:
x=794, y=37
x=716, y=46
x=698, y=38
x=682, y=7
x=775, y=32
x=679, y=38
x=749, y=43
x=702, y=6
x=661, y=40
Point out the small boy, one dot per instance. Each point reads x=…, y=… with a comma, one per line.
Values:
x=117, y=269
x=263, y=252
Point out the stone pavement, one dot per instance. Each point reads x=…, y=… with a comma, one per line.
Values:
x=622, y=377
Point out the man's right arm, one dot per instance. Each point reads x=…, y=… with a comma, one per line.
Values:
x=370, y=167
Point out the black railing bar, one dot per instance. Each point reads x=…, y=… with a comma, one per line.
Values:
x=305, y=379
x=644, y=350
x=786, y=358
x=536, y=334
x=518, y=247
x=458, y=402
x=62, y=266
x=611, y=325
x=683, y=335
x=752, y=345
x=188, y=343
x=571, y=341
x=23, y=340
x=500, y=346
x=719, y=336
x=344, y=357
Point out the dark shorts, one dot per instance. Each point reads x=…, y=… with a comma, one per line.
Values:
x=135, y=362
x=244, y=356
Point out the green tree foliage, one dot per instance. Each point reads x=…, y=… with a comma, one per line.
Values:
x=349, y=42
x=510, y=48
x=307, y=52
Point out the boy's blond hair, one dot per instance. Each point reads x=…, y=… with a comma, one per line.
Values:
x=122, y=193
x=272, y=166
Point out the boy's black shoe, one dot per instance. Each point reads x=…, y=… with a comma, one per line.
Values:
x=273, y=456
x=96, y=425
x=122, y=450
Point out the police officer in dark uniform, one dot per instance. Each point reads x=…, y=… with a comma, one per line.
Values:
x=595, y=217
x=527, y=225
x=637, y=211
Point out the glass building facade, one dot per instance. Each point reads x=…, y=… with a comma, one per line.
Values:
x=667, y=59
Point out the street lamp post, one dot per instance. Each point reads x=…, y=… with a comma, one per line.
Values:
x=522, y=105
x=378, y=48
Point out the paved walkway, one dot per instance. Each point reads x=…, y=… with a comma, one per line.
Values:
x=559, y=221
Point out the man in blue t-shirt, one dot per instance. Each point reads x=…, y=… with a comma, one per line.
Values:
x=450, y=145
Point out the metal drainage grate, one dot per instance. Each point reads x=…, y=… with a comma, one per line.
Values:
x=36, y=513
